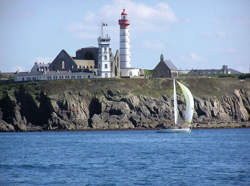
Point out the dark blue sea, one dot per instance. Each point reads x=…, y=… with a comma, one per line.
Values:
x=204, y=157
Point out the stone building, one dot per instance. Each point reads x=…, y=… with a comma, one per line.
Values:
x=64, y=62
x=164, y=69
x=211, y=72
x=88, y=53
x=115, y=64
x=86, y=60
x=52, y=75
x=40, y=67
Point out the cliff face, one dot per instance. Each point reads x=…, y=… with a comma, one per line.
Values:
x=37, y=108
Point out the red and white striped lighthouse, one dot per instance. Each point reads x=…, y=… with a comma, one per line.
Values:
x=124, y=41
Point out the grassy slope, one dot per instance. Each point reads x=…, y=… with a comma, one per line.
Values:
x=200, y=87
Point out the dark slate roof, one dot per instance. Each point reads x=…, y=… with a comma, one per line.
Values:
x=170, y=65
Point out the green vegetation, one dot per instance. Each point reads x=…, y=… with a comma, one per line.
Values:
x=244, y=76
x=148, y=73
x=199, y=86
x=240, y=76
x=6, y=76
x=228, y=75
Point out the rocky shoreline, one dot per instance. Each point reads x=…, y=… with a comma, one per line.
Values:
x=5, y=128
x=114, y=109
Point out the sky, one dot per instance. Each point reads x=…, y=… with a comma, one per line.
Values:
x=193, y=34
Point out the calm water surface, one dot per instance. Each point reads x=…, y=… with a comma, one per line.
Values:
x=205, y=157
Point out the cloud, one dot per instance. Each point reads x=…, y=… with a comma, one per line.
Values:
x=154, y=45
x=227, y=50
x=143, y=18
x=191, y=61
x=17, y=69
x=196, y=58
x=216, y=34
x=233, y=21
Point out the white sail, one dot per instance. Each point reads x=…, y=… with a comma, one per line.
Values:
x=175, y=105
x=189, y=103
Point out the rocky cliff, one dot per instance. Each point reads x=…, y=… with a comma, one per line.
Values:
x=120, y=104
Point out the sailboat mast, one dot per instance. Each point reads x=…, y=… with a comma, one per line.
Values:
x=175, y=105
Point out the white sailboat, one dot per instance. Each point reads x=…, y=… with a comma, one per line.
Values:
x=188, y=113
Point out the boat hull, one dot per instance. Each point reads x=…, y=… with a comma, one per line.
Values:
x=181, y=130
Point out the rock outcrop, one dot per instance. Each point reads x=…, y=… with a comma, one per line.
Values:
x=79, y=110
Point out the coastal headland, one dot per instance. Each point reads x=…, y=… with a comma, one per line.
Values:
x=101, y=104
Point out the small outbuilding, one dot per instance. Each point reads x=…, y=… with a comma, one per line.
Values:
x=165, y=69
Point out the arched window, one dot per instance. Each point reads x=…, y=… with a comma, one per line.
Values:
x=62, y=65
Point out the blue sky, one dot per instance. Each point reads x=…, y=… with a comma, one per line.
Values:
x=193, y=34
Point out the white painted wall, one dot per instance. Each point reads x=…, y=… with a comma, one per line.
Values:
x=130, y=72
x=125, y=59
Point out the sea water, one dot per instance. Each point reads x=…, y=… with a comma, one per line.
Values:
x=204, y=157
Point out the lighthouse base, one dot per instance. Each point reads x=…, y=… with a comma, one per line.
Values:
x=130, y=72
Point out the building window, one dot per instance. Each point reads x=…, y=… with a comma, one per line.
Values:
x=106, y=66
x=105, y=57
x=106, y=75
x=62, y=65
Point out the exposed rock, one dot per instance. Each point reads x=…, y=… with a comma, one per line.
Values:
x=111, y=110
x=98, y=123
x=6, y=127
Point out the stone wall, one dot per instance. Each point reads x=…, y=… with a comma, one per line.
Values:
x=90, y=53
x=115, y=62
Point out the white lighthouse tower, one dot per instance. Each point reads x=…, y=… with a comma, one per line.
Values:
x=104, y=63
x=124, y=41
x=125, y=64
